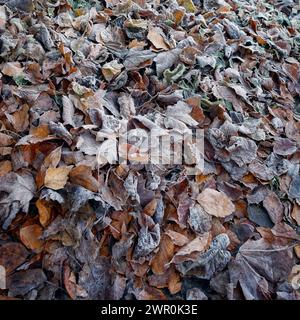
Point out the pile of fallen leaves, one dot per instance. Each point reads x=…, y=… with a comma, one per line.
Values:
x=73, y=72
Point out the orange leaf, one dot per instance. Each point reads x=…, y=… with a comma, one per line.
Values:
x=150, y=207
x=30, y=236
x=5, y=167
x=45, y=211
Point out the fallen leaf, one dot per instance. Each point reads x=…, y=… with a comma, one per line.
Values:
x=164, y=255
x=111, y=70
x=196, y=246
x=284, y=147
x=156, y=38
x=56, y=178
x=45, y=211
x=215, y=203
x=82, y=175
x=5, y=167
x=296, y=213
x=12, y=255
x=17, y=190
x=274, y=207
x=22, y=282
x=261, y=262
x=72, y=288
x=12, y=69
x=178, y=238
x=30, y=236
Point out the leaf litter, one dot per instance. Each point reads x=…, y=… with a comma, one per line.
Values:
x=74, y=74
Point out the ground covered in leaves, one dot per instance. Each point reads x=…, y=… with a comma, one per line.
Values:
x=75, y=227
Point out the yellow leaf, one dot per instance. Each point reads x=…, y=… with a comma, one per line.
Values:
x=188, y=4
x=136, y=23
x=261, y=40
x=111, y=69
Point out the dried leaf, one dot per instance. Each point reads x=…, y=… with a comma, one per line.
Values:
x=12, y=255
x=155, y=35
x=56, y=178
x=215, y=203
x=164, y=255
x=30, y=236
x=82, y=175
x=17, y=192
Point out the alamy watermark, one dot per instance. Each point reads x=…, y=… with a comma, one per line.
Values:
x=156, y=146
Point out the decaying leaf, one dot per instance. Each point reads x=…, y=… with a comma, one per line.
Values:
x=22, y=282
x=12, y=255
x=30, y=236
x=149, y=149
x=82, y=175
x=17, y=191
x=155, y=35
x=56, y=178
x=257, y=265
x=215, y=203
x=208, y=263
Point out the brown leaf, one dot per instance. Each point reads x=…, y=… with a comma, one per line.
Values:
x=83, y=176
x=30, y=236
x=12, y=254
x=5, y=167
x=296, y=213
x=50, y=161
x=256, y=264
x=111, y=70
x=297, y=251
x=150, y=293
x=53, y=158
x=284, y=146
x=12, y=69
x=17, y=190
x=170, y=279
x=22, y=282
x=156, y=38
x=274, y=207
x=45, y=211
x=72, y=288
x=215, y=203
x=56, y=178
x=150, y=208
x=163, y=256
x=193, y=248
x=5, y=140
x=19, y=119
x=178, y=238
